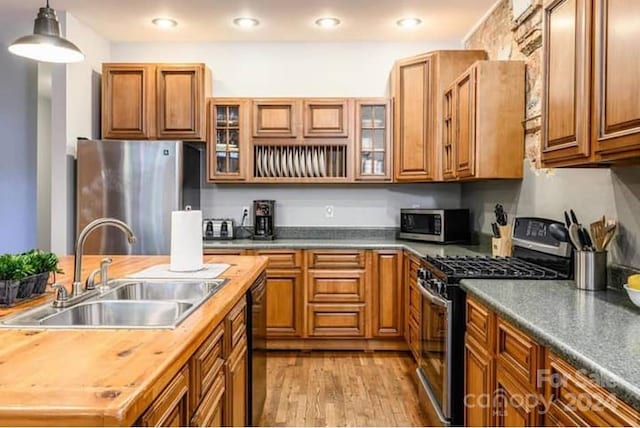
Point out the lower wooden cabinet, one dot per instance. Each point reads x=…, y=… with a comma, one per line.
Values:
x=171, y=408
x=285, y=303
x=510, y=380
x=387, y=302
x=478, y=381
x=412, y=304
x=235, y=408
x=515, y=405
x=211, y=410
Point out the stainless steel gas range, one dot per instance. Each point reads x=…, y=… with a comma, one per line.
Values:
x=536, y=255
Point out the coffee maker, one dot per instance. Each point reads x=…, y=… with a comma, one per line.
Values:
x=264, y=220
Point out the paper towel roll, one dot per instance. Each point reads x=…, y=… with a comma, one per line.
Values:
x=186, y=241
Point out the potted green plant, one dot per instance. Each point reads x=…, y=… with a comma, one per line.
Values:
x=11, y=272
x=43, y=264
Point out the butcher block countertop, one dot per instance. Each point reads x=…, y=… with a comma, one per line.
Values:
x=106, y=377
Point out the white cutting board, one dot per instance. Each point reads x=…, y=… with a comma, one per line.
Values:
x=209, y=271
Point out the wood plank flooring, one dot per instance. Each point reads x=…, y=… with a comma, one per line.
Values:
x=341, y=389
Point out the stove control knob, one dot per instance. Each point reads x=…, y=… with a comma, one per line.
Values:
x=423, y=274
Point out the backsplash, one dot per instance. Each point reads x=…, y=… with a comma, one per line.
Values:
x=353, y=205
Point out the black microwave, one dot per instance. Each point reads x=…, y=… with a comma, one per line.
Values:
x=446, y=226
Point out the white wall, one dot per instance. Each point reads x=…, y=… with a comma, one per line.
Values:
x=18, y=115
x=303, y=70
x=285, y=69
x=547, y=193
x=75, y=108
x=353, y=205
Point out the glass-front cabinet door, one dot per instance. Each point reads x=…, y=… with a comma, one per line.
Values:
x=373, y=139
x=227, y=139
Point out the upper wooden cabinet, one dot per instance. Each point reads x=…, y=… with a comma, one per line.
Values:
x=276, y=118
x=373, y=135
x=591, y=83
x=327, y=118
x=418, y=86
x=483, y=137
x=228, y=139
x=154, y=101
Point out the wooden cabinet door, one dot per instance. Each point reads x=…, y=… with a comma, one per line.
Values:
x=180, y=101
x=211, y=410
x=413, y=147
x=285, y=303
x=128, y=97
x=515, y=406
x=387, y=303
x=448, y=147
x=373, y=139
x=464, y=124
x=616, y=102
x=478, y=385
x=327, y=118
x=276, y=118
x=228, y=139
x=566, y=81
x=171, y=408
x=235, y=410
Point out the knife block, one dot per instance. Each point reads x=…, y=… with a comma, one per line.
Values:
x=503, y=246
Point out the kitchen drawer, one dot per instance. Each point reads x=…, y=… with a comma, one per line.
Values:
x=480, y=323
x=209, y=413
x=339, y=259
x=414, y=339
x=519, y=354
x=415, y=303
x=582, y=401
x=336, y=286
x=345, y=320
x=282, y=259
x=236, y=325
x=205, y=365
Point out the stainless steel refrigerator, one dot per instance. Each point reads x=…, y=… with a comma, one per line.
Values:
x=138, y=182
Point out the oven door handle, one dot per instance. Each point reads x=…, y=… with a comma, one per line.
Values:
x=436, y=300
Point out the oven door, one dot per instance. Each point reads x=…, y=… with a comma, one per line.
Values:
x=434, y=370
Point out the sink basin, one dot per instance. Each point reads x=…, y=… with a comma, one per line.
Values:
x=183, y=291
x=126, y=303
x=120, y=314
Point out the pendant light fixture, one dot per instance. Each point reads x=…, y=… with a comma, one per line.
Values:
x=46, y=44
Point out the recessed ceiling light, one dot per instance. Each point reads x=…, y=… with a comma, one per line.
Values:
x=246, y=22
x=409, y=22
x=327, y=22
x=165, y=23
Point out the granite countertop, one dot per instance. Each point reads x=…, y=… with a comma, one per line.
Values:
x=595, y=331
x=418, y=248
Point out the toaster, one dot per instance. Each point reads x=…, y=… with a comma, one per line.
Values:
x=217, y=229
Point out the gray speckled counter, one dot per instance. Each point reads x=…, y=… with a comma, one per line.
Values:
x=598, y=332
x=418, y=248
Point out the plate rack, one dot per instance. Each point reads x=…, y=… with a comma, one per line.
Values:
x=300, y=162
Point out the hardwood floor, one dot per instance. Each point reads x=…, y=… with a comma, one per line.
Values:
x=341, y=389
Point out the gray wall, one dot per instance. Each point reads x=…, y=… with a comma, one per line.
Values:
x=547, y=193
x=18, y=114
x=353, y=205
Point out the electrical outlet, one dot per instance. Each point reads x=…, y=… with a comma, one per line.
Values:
x=328, y=211
x=415, y=206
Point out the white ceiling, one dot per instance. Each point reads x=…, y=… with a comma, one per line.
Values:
x=281, y=20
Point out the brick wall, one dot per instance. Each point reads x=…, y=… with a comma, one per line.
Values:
x=504, y=37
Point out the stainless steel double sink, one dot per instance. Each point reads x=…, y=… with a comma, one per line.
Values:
x=124, y=304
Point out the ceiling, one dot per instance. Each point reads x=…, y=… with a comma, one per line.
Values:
x=281, y=20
